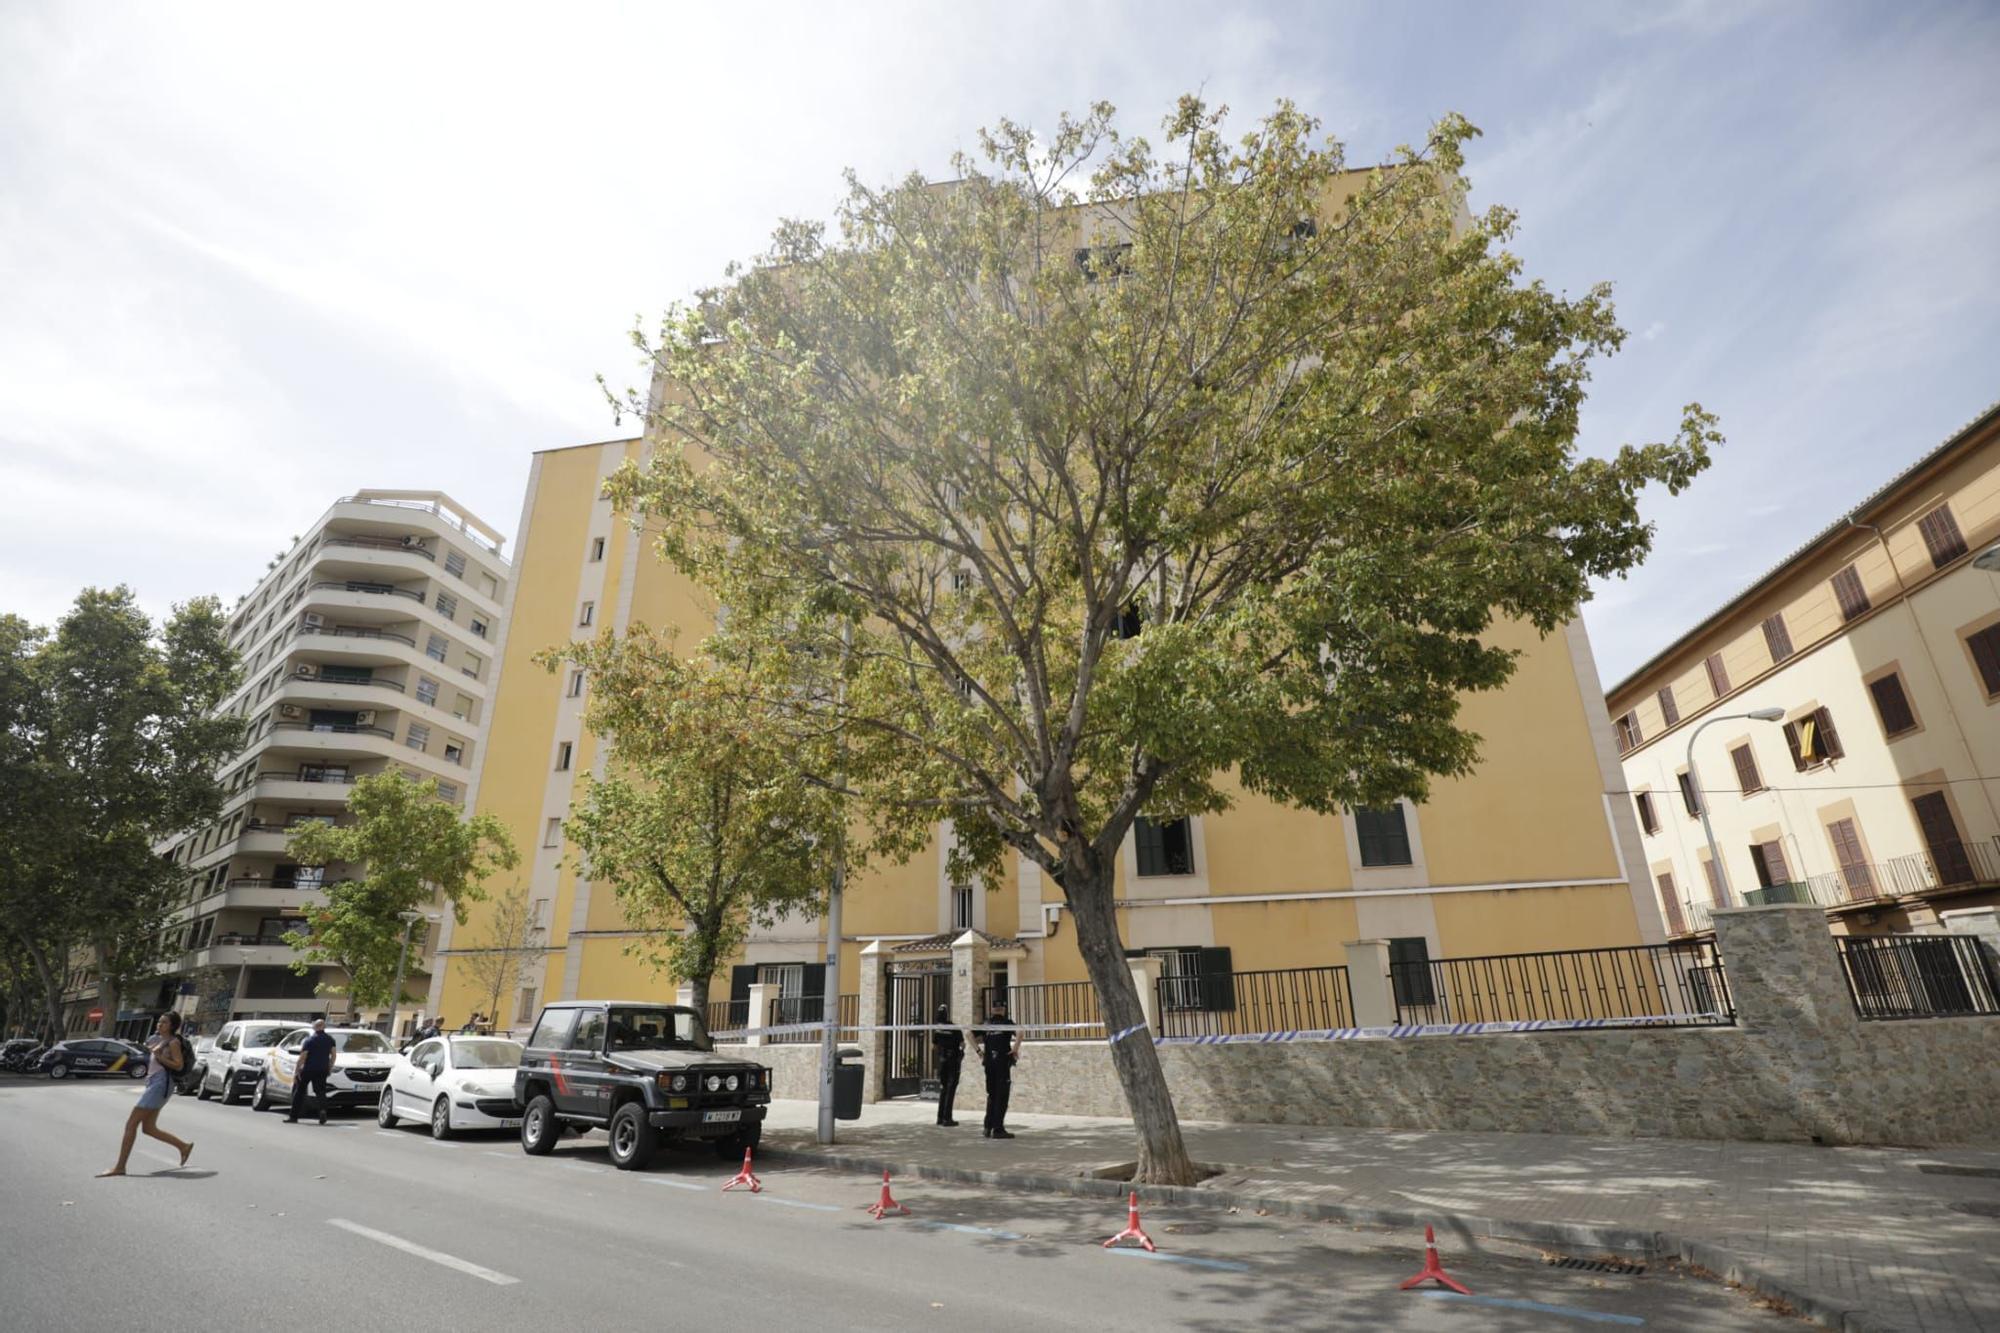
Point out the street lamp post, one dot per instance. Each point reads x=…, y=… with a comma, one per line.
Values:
x=829, y=1036
x=402, y=959
x=1701, y=797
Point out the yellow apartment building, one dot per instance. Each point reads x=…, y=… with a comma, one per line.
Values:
x=1872, y=786
x=1538, y=851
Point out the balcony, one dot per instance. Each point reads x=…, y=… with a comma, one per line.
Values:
x=238, y=951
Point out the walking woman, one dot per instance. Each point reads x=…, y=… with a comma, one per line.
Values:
x=167, y=1057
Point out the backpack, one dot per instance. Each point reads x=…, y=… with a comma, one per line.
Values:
x=174, y=1076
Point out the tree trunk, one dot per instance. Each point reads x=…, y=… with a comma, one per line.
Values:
x=698, y=994
x=1163, y=1158
x=107, y=990
x=51, y=987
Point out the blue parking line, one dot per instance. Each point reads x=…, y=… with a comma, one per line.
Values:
x=1226, y=1265
x=675, y=1184
x=1568, y=1312
x=969, y=1230
x=799, y=1203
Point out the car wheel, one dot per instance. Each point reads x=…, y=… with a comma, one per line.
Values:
x=260, y=1099
x=136, y=1071
x=538, y=1126
x=201, y=1092
x=58, y=1070
x=385, y=1110
x=633, y=1138
x=441, y=1118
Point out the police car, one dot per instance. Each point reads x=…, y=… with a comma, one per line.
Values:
x=68, y=1059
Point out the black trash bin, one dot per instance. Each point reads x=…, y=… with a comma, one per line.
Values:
x=847, y=1073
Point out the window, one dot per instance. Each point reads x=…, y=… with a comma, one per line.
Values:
x=1164, y=849
x=479, y=627
x=1940, y=832
x=961, y=907
x=1777, y=638
x=961, y=580
x=447, y=605
x=563, y=753
x=789, y=978
x=552, y=1033
x=589, y=1033
x=1718, y=677
x=1847, y=590
x=1384, y=838
x=1629, y=736
x=1131, y=621
x=552, y=833
x=1854, y=870
x=1769, y=860
x=1410, y=972
x=1813, y=740
x=596, y=549
x=448, y=791
x=575, y=685
x=462, y=708
x=1688, y=796
x=1647, y=819
x=1941, y=536
x=434, y=647
x=587, y=614
x=1892, y=705
x=454, y=564
x=471, y=666
x=454, y=751
x=1180, y=978
x=1985, y=649
x=419, y=736
x=427, y=691
x=1667, y=708
x=1747, y=778
x=1671, y=901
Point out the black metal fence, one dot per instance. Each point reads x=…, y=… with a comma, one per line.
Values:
x=785, y=1010
x=1919, y=976
x=1284, y=1000
x=1679, y=984
x=727, y=1015
x=1051, y=1002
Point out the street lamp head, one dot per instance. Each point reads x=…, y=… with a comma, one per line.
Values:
x=1767, y=714
x=411, y=917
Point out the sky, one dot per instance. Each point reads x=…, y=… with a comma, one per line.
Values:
x=256, y=257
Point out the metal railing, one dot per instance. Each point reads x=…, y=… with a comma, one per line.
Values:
x=1919, y=976
x=425, y=507
x=1050, y=1002
x=340, y=728
x=352, y=632
x=302, y=775
x=379, y=544
x=727, y=1015
x=356, y=585
x=1681, y=984
x=1242, y=1003
x=784, y=1010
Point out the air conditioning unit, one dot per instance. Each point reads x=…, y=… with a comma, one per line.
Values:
x=415, y=542
x=364, y=718
x=290, y=710
x=305, y=671
x=313, y=620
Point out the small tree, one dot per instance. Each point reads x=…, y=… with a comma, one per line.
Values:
x=704, y=824
x=512, y=938
x=412, y=848
x=1139, y=479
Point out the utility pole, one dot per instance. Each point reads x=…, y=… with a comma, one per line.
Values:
x=829, y=1004
x=402, y=959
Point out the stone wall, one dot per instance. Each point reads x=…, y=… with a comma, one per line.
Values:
x=794, y=1066
x=1798, y=1066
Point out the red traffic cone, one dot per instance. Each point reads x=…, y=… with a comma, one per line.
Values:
x=887, y=1204
x=1132, y=1231
x=1433, y=1270
x=745, y=1176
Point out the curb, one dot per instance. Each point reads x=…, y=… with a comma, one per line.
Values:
x=1622, y=1241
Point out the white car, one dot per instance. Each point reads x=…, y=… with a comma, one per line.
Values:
x=361, y=1060
x=454, y=1083
x=237, y=1061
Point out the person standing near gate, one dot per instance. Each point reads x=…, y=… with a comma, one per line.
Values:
x=999, y=1048
x=315, y=1063
x=949, y=1047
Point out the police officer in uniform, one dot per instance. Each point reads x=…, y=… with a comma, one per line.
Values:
x=949, y=1046
x=999, y=1048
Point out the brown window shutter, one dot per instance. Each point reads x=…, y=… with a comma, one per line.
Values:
x=1829, y=739
x=1941, y=536
x=1941, y=836
x=1718, y=678
x=1847, y=590
x=1647, y=819
x=1891, y=704
x=1628, y=731
x=1746, y=770
x=1985, y=646
x=1777, y=638
x=1688, y=798
x=1795, y=742
x=1668, y=710
x=1716, y=893
x=1853, y=866
x=1672, y=903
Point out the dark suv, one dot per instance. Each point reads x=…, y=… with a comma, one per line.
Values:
x=641, y=1072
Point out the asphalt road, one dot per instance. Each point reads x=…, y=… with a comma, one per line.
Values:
x=348, y=1225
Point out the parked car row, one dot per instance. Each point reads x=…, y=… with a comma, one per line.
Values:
x=79, y=1058
x=646, y=1074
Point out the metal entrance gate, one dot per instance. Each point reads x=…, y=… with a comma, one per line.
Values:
x=915, y=992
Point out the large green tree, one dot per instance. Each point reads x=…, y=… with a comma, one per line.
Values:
x=411, y=848
x=34, y=928
x=1141, y=476
x=704, y=822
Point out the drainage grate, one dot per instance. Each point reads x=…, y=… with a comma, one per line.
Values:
x=1575, y=1265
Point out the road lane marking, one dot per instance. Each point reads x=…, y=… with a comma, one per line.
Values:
x=1226, y=1265
x=799, y=1203
x=435, y=1256
x=671, y=1183
x=969, y=1230
x=1568, y=1312
x=579, y=1166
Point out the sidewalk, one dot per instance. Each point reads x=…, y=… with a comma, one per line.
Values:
x=1860, y=1230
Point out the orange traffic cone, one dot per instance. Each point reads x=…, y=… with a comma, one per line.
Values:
x=887, y=1204
x=1132, y=1231
x=1433, y=1270
x=745, y=1176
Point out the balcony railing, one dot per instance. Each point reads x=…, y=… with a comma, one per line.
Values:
x=307, y=775
x=366, y=682
x=380, y=544
x=372, y=589
x=426, y=507
x=1243, y=1003
x=784, y=1010
x=1678, y=984
x=351, y=632
x=1920, y=976
x=1051, y=1002
x=339, y=728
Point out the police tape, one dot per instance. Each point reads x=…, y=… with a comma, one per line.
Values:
x=1391, y=1032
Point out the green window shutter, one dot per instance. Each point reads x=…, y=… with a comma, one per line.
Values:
x=1218, y=980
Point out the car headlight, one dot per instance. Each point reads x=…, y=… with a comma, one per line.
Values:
x=714, y=1083
x=253, y=1062
x=730, y=1083
x=681, y=1082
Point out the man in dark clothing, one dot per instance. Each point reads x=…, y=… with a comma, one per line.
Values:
x=999, y=1048
x=950, y=1049
x=315, y=1063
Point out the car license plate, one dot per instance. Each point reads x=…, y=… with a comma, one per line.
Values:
x=720, y=1117
x=510, y=1124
